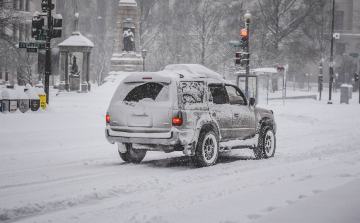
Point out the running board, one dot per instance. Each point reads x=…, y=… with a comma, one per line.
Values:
x=239, y=144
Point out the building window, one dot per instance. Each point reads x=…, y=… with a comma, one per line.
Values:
x=21, y=7
x=339, y=20
x=15, y=4
x=15, y=32
x=27, y=5
x=340, y=48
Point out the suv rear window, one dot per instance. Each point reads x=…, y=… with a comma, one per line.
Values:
x=154, y=91
x=192, y=92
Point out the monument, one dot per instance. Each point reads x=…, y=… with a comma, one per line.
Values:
x=75, y=43
x=126, y=55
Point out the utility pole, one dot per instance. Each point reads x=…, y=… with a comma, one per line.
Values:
x=331, y=70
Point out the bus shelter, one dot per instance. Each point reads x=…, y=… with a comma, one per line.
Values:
x=262, y=81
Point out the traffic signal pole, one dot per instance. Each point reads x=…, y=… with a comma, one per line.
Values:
x=247, y=68
x=48, y=51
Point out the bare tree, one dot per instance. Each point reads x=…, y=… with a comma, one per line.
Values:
x=282, y=18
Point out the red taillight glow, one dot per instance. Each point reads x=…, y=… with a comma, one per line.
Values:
x=177, y=121
x=108, y=119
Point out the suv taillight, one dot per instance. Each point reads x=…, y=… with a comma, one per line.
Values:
x=107, y=119
x=178, y=120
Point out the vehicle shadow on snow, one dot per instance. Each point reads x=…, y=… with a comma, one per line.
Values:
x=187, y=163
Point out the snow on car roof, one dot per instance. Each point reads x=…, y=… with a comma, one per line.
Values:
x=175, y=72
x=192, y=70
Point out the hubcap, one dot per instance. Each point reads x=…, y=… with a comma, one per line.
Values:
x=210, y=148
x=269, y=143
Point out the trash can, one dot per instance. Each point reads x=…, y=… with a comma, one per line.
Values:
x=345, y=93
x=9, y=100
x=33, y=96
x=23, y=99
x=42, y=97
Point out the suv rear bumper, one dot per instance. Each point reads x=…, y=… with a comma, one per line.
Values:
x=170, y=138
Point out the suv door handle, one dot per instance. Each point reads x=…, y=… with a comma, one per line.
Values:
x=236, y=114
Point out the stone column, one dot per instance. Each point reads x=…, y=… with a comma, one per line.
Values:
x=88, y=71
x=67, y=86
x=84, y=85
x=62, y=71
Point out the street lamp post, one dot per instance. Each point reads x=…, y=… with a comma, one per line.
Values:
x=143, y=53
x=247, y=18
x=331, y=70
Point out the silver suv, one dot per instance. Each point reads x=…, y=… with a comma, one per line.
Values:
x=189, y=108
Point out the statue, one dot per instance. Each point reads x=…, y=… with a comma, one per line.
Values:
x=74, y=68
x=128, y=41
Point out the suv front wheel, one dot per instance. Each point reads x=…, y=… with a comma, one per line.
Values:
x=131, y=155
x=207, y=149
x=266, y=144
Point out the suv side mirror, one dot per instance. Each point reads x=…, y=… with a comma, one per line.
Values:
x=252, y=101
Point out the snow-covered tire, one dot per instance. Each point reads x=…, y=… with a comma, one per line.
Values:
x=131, y=155
x=266, y=144
x=207, y=149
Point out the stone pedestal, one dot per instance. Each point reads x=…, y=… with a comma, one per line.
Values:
x=62, y=86
x=84, y=87
x=74, y=83
x=127, y=55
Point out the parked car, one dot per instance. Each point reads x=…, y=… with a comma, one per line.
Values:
x=189, y=108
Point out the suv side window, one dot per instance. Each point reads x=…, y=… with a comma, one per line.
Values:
x=219, y=94
x=236, y=97
x=192, y=92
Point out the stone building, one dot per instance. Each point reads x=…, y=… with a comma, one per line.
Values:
x=347, y=26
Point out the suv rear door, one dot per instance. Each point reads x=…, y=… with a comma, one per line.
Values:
x=220, y=110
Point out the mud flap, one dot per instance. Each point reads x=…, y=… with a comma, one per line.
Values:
x=189, y=150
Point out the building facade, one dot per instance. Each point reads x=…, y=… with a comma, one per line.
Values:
x=347, y=41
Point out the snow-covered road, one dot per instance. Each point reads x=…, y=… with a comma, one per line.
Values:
x=56, y=166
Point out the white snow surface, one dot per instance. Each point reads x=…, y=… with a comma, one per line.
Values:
x=56, y=166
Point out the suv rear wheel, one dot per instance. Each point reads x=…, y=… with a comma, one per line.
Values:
x=131, y=155
x=267, y=143
x=207, y=149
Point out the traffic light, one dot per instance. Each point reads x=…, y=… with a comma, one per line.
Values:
x=238, y=58
x=242, y=58
x=356, y=76
x=37, y=25
x=44, y=5
x=57, y=26
x=244, y=39
x=320, y=78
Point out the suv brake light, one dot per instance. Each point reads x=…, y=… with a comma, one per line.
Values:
x=107, y=119
x=177, y=121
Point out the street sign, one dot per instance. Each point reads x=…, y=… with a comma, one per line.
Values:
x=31, y=50
x=354, y=55
x=235, y=43
x=41, y=35
x=23, y=44
x=32, y=45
